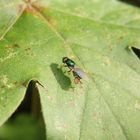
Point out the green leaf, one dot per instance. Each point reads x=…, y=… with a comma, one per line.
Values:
x=98, y=38
x=26, y=126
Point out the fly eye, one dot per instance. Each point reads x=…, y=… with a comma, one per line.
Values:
x=64, y=59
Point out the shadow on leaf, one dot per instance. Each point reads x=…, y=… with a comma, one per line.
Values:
x=63, y=80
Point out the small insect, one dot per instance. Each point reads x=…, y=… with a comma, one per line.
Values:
x=68, y=63
x=77, y=72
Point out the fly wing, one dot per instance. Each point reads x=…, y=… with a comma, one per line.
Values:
x=80, y=73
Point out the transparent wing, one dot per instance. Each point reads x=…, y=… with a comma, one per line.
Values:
x=80, y=73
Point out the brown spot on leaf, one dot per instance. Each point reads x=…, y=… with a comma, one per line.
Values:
x=29, y=52
x=21, y=7
x=24, y=83
x=52, y=21
x=15, y=46
x=30, y=9
x=33, y=6
x=16, y=83
x=12, y=46
x=27, y=49
x=120, y=38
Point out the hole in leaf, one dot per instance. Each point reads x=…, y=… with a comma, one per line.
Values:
x=30, y=108
x=136, y=51
x=31, y=102
x=132, y=2
x=25, y=106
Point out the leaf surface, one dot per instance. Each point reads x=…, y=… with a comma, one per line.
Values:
x=107, y=106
